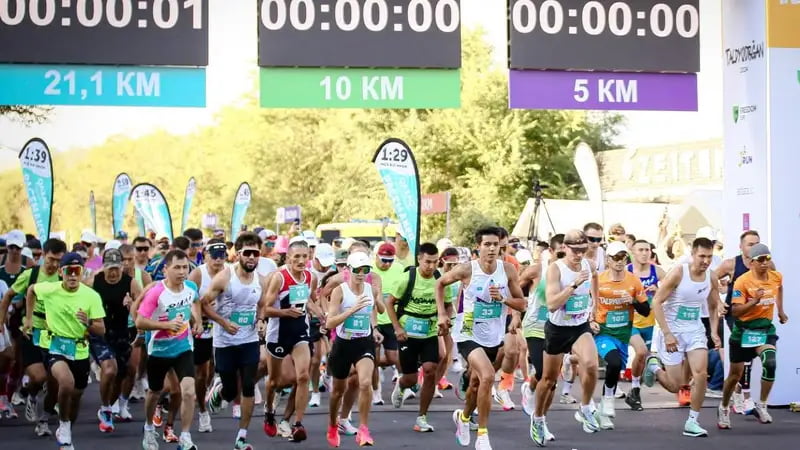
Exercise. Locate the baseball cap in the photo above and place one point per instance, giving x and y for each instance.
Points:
(444, 243)
(71, 259)
(113, 244)
(297, 239)
(341, 256)
(386, 250)
(88, 236)
(524, 256)
(121, 234)
(759, 250)
(706, 232)
(16, 238)
(616, 248)
(324, 254)
(112, 258)
(219, 233)
(358, 259)
(26, 252)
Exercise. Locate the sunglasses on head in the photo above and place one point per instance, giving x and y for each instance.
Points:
(72, 270)
(361, 270)
(763, 258)
(250, 253)
(595, 240)
(142, 249)
(621, 256)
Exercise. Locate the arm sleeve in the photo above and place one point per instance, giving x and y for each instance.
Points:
(739, 295)
(150, 301)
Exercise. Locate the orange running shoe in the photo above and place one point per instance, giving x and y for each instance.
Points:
(685, 395)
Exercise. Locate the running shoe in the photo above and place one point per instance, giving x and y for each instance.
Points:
(692, 429)
(377, 398)
(42, 429)
(723, 417)
(547, 434)
(445, 384)
(30, 409)
(236, 411)
(270, 427)
(634, 399)
(186, 443)
(422, 425)
(169, 434)
(602, 418)
(738, 402)
(158, 417)
(313, 402)
(124, 415)
(363, 438)
(17, 399)
(537, 433)
(64, 438)
(242, 444)
(502, 397)
(284, 429)
(150, 440)
(398, 396)
(649, 375)
(761, 413)
(298, 433)
(462, 428)
(588, 421)
(463, 385)
(333, 437)
(482, 442)
(567, 399)
(437, 393)
(106, 424)
(713, 393)
(749, 406)
(204, 422)
(214, 400)
(685, 396)
(607, 403)
(346, 427)
(528, 399)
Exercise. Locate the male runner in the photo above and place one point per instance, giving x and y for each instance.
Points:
(390, 272)
(649, 274)
(620, 294)
(194, 252)
(112, 350)
(411, 308)
(352, 312)
(755, 295)
(509, 352)
(728, 272)
(595, 253)
(571, 287)
(238, 292)
(215, 254)
(449, 258)
(490, 288)
(320, 265)
(72, 310)
(142, 245)
(33, 347)
(287, 303)
(166, 311)
(677, 305)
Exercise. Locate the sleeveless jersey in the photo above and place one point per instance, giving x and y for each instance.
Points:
(113, 295)
(239, 304)
(577, 308)
(293, 292)
(483, 320)
(683, 308)
(651, 279)
(357, 325)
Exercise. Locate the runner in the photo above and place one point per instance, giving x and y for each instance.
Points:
(112, 350)
(194, 252)
(620, 294)
(143, 248)
(320, 265)
(448, 260)
(571, 284)
(509, 352)
(490, 287)
(34, 348)
(649, 274)
(595, 253)
(287, 334)
(166, 311)
(755, 295)
(352, 312)
(238, 293)
(390, 272)
(728, 272)
(215, 254)
(72, 310)
(411, 308)
(677, 305)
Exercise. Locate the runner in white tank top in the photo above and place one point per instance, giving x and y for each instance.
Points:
(677, 306)
(490, 286)
(240, 297)
(571, 286)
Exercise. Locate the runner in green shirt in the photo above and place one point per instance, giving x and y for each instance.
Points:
(416, 331)
(72, 311)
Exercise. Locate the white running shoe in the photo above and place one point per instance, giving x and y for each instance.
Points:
(567, 399)
(602, 417)
(42, 429)
(457, 367)
(482, 443)
(547, 434)
(437, 393)
(150, 440)
(762, 414)
(347, 428)
(186, 444)
(377, 398)
(313, 402)
(284, 428)
(503, 397)
(607, 404)
(204, 421)
(723, 417)
(462, 428)
(64, 437)
(528, 399)
(398, 397)
(738, 402)
(17, 399)
(125, 414)
(749, 406)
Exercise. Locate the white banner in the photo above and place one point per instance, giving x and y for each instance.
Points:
(744, 74)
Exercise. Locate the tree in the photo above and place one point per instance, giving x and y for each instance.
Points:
(25, 114)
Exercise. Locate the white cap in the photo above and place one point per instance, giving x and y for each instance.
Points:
(444, 243)
(26, 252)
(113, 243)
(524, 256)
(358, 259)
(88, 236)
(15, 237)
(347, 242)
(615, 248)
(309, 234)
(266, 234)
(297, 239)
(310, 238)
(706, 232)
(325, 255)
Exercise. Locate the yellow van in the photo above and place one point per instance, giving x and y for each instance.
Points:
(368, 230)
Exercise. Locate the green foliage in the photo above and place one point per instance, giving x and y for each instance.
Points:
(483, 153)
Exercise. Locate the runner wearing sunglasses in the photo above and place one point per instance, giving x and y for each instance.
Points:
(234, 301)
(571, 287)
(72, 311)
(595, 253)
(755, 296)
(215, 254)
(289, 297)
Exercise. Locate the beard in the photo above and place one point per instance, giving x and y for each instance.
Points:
(560, 255)
(246, 268)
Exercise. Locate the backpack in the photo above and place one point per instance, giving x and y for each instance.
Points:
(412, 277)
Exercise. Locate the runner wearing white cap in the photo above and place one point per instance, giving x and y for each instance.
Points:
(322, 263)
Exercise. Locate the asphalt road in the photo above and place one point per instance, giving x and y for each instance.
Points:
(659, 426)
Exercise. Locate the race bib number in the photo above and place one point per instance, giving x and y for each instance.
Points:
(753, 338)
(243, 318)
(63, 346)
(541, 315)
(488, 311)
(417, 327)
(617, 319)
(181, 314)
(298, 295)
(688, 312)
(357, 324)
(577, 304)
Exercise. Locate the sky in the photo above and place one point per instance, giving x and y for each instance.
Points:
(232, 69)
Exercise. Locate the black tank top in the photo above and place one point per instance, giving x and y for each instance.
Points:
(739, 269)
(113, 295)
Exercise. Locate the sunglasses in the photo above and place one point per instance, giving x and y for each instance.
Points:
(217, 254)
(197, 244)
(73, 271)
(578, 250)
(142, 249)
(387, 260)
(341, 265)
(37, 255)
(763, 259)
(516, 245)
(595, 240)
(619, 257)
(270, 244)
(163, 247)
(361, 270)
(250, 253)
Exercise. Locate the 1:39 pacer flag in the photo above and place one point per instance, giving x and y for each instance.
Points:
(240, 204)
(37, 175)
(119, 201)
(398, 169)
